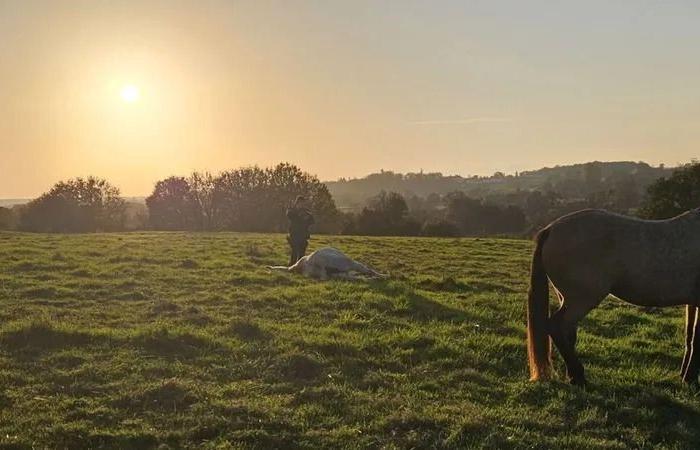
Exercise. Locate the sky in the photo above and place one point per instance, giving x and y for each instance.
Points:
(340, 88)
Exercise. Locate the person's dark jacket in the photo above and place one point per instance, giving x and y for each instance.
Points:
(300, 220)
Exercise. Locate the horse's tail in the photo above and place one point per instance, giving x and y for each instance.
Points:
(538, 345)
(280, 268)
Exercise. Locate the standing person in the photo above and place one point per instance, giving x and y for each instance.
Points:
(300, 220)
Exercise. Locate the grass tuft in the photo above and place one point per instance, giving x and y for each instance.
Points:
(248, 331)
(189, 264)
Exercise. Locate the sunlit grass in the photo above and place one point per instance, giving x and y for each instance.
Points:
(147, 339)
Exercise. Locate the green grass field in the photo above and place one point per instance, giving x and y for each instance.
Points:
(168, 340)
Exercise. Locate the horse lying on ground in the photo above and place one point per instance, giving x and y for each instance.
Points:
(589, 254)
(327, 263)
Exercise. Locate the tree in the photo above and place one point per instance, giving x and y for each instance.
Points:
(242, 197)
(246, 199)
(8, 219)
(202, 193)
(592, 175)
(540, 207)
(171, 207)
(77, 205)
(464, 212)
(387, 215)
(476, 217)
(287, 181)
(668, 197)
(440, 228)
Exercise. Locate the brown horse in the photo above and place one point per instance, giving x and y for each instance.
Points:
(589, 254)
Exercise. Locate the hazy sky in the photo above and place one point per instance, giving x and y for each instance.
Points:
(341, 88)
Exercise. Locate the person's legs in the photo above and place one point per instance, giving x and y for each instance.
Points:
(298, 245)
(293, 258)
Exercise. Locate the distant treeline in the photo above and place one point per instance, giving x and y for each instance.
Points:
(246, 199)
(574, 182)
(255, 199)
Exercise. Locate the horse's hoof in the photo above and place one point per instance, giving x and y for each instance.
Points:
(580, 382)
(691, 382)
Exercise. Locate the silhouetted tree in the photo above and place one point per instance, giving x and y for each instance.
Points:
(440, 228)
(202, 193)
(246, 199)
(464, 211)
(387, 215)
(668, 197)
(77, 205)
(347, 223)
(476, 217)
(540, 208)
(242, 198)
(511, 220)
(8, 219)
(171, 206)
(593, 175)
(287, 181)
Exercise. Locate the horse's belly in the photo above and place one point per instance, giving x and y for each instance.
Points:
(653, 293)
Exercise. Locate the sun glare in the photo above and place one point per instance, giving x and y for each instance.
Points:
(130, 93)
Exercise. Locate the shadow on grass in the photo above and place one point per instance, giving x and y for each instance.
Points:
(75, 436)
(35, 338)
(617, 322)
(175, 343)
(248, 331)
(645, 416)
(248, 427)
(170, 395)
(264, 279)
(449, 284)
(416, 306)
(409, 430)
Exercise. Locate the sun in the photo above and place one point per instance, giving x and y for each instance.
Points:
(130, 93)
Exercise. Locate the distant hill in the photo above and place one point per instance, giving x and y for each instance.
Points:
(571, 181)
(575, 180)
(6, 203)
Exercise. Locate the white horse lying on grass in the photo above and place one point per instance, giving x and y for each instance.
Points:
(329, 262)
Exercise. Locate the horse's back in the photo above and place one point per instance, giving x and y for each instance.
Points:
(639, 260)
(329, 257)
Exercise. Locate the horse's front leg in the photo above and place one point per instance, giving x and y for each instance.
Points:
(690, 313)
(691, 362)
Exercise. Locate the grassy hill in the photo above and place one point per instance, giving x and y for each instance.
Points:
(170, 340)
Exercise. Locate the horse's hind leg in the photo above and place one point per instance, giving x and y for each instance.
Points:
(364, 270)
(690, 313)
(692, 358)
(562, 329)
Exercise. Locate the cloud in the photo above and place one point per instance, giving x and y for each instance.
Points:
(462, 121)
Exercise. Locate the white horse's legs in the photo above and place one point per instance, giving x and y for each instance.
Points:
(361, 268)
